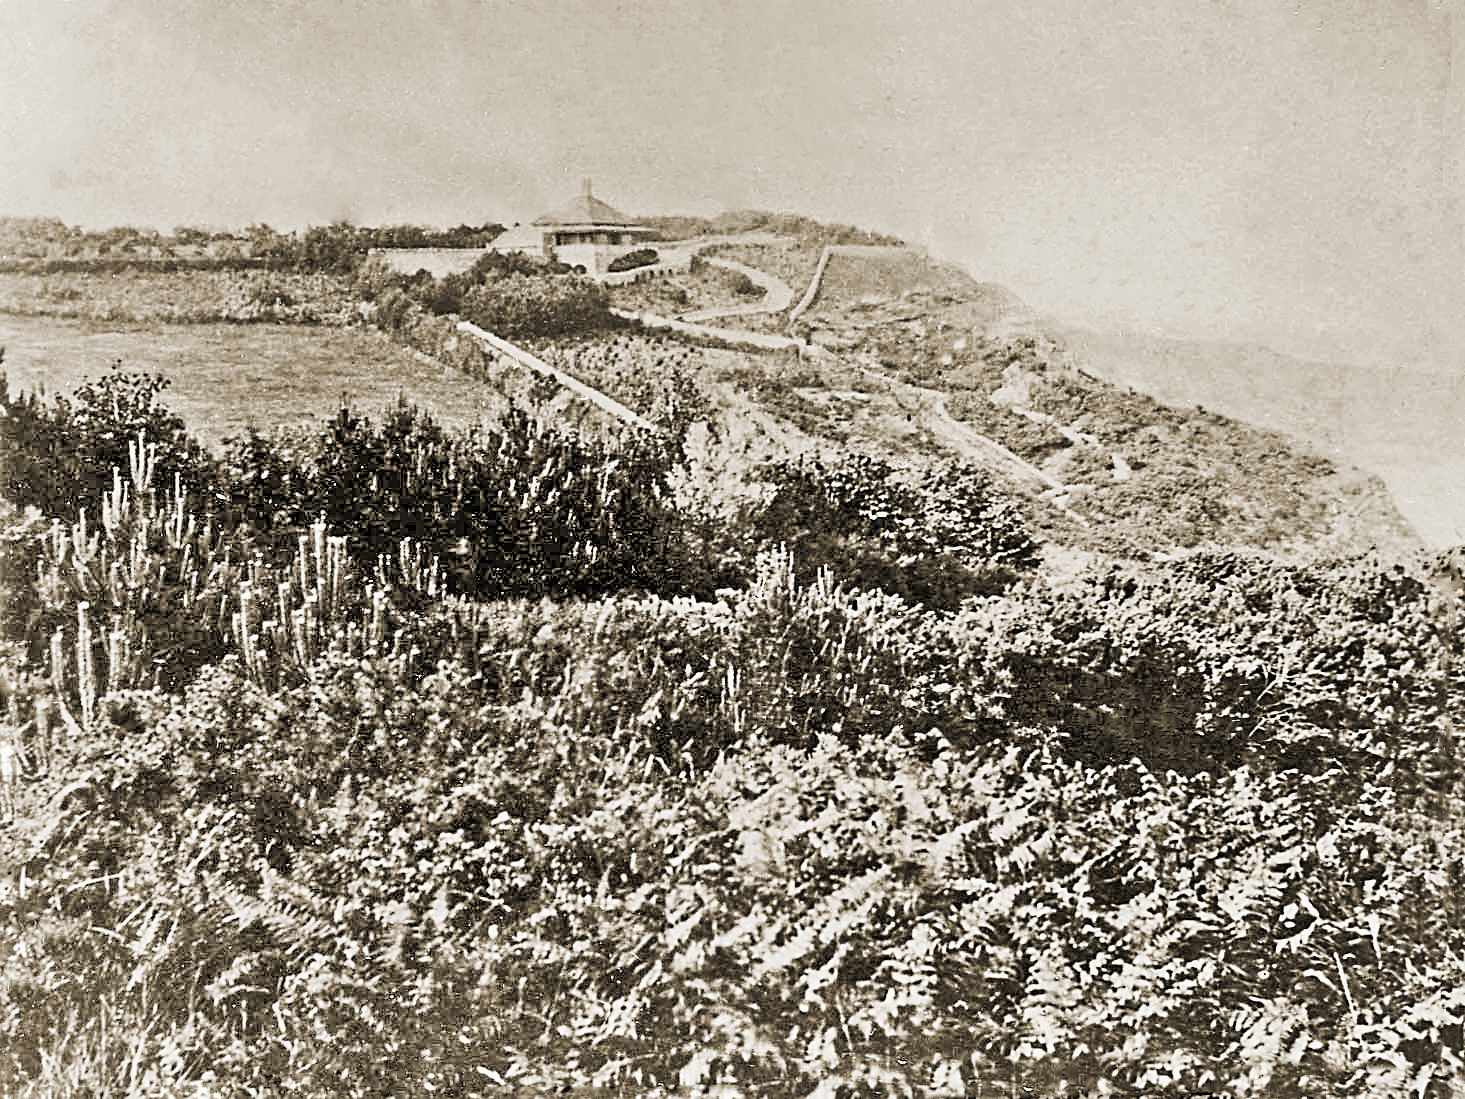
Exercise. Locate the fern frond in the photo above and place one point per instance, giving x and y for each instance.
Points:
(288, 913)
(839, 912)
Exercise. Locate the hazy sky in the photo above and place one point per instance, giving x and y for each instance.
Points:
(1248, 169)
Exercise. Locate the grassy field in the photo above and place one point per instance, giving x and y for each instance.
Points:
(227, 378)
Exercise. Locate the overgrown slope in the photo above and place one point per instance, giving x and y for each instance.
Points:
(1146, 477)
(547, 761)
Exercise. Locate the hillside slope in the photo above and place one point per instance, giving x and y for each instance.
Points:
(914, 344)
(1404, 425)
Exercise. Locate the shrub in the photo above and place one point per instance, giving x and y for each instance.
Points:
(374, 278)
(445, 295)
(938, 540)
(392, 309)
(743, 286)
(59, 455)
(519, 508)
(271, 293)
(492, 265)
(518, 307)
(642, 257)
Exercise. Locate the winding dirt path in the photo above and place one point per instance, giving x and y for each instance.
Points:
(926, 407)
(777, 294)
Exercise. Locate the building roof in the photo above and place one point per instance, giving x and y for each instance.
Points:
(586, 210)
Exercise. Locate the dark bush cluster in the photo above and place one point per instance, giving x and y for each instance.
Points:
(641, 257)
(516, 509)
(936, 540)
(513, 296)
(519, 508)
(58, 455)
(523, 307)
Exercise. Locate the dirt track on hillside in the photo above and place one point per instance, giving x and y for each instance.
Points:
(777, 294)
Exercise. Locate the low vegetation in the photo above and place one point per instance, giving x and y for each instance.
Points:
(369, 803)
(792, 261)
(136, 296)
(704, 286)
(378, 758)
(858, 279)
(48, 246)
(795, 226)
(1145, 476)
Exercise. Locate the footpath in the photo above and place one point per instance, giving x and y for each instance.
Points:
(777, 294)
(925, 406)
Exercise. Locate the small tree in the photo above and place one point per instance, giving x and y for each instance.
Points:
(59, 455)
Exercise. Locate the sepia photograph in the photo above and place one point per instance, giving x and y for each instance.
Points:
(661, 549)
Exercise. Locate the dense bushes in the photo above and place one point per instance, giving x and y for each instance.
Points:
(515, 509)
(937, 539)
(733, 282)
(511, 296)
(316, 825)
(520, 307)
(641, 257)
(649, 844)
(519, 508)
(58, 455)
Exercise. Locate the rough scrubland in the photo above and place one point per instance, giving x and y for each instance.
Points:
(380, 757)
(180, 297)
(794, 262)
(703, 287)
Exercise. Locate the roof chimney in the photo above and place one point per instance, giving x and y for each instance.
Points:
(586, 185)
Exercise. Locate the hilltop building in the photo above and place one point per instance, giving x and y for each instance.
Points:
(585, 233)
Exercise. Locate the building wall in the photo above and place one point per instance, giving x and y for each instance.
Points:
(564, 237)
(436, 261)
(515, 240)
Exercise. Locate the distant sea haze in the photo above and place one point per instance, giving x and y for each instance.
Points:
(1407, 426)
